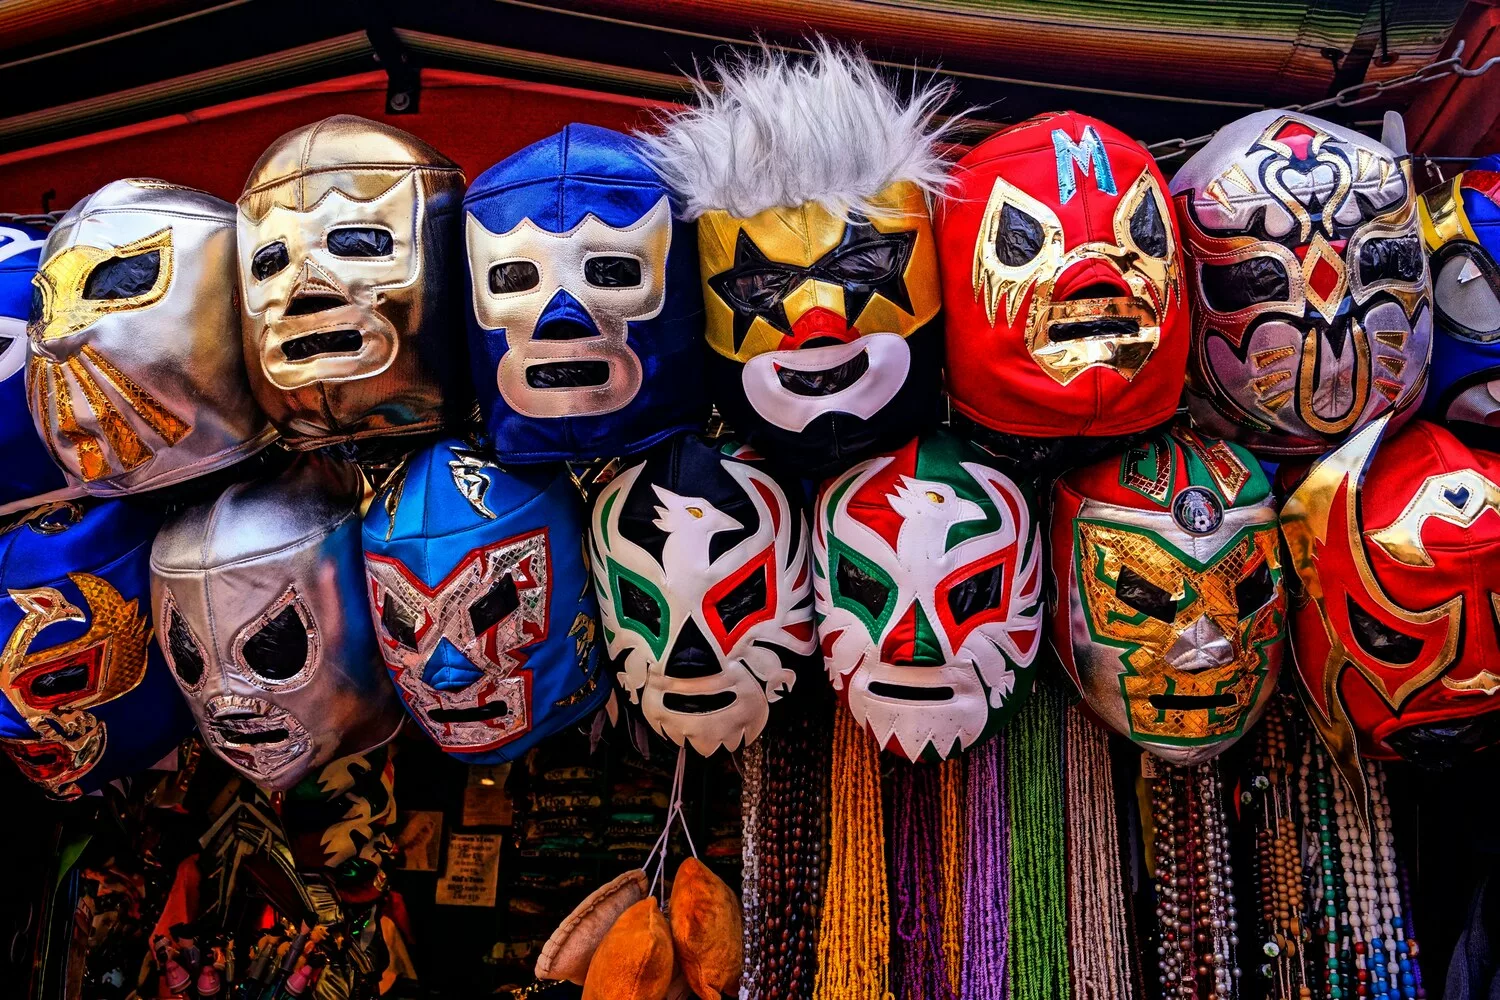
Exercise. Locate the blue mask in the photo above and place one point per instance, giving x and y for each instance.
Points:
(31, 477)
(585, 310)
(482, 601)
(1461, 228)
(88, 697)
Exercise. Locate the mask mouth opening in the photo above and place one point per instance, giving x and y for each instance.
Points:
(564, 329)
(308, 305)
(908, 692)
(1190, 702)
(1100, 328)
(235, 737)
(697, 704)
(476, 713)
(327, 342)
(567, 374)
(826, 381)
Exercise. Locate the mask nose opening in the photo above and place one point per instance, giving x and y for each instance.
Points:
(311, 304)
(691, 656)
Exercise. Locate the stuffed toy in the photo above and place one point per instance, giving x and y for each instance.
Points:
(1314, 311)
(585, 318)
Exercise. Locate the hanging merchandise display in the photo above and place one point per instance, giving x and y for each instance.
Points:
(700, 564)
(264, 621)
(1171, 612)
(1314, 311)
(1062, 283)
(1395, 628)
(584, 312)
(32, 478)
(87, 698)
(810, 182)
(347, 231)
(928, 579)
(1461, 232)
(482, 601)
(135, 378)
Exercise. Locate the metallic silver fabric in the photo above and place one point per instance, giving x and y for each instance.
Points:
(347, 228)
(263, 620)
(135, 377)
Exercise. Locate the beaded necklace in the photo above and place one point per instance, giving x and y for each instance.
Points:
(1099, 938)
(1279, 868)
(920, 959)
(1039, 916)
(752, 913)
(986, 875)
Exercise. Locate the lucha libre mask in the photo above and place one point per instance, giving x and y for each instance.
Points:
(1062, 283)
(701, 569)
(87, 698)
(820, 280)
(928, 575)
(1171, 613)
(482, 600)
(586, 316)
(1303, 254)
(346, 233)
(1461, 230)
(32, 478)
(260, 596)
(135, 378)
(1398, 553)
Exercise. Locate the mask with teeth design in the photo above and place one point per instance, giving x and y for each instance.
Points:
(584, 305)
(346, 233)
(1171, 612)
(820, 271)
(482, 601)
(1305, 258)
(928, 575)
(259, 597)
(700, 565)
(1062, 283)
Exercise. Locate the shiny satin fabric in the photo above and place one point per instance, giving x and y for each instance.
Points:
(1313, 305)
(479, 589)
(263, 619)
(347, 234)
(135, 378)
(85, 696)
(1171, 608)
(32, 477)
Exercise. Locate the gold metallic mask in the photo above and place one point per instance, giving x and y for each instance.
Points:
(1152, 282)
(801, 236)
(1155, 651)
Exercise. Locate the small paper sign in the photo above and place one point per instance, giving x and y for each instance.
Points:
(420, 837)
(472, 871)
(486, 802)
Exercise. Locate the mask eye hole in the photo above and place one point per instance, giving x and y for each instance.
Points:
(495, 606)
(1147, 230)
(747, 597)
(1395, 259)
(612, 272)
(1466, 292)
(1229, 288)
(872, 262)
(61, 682)
(1137, 592)
(1019, 237)
(268, 260)
(860, 587)
(400, 624)
(361, 241)
(510, 276)
(38, 306)
(977, 594)
(757, 290)
(182, 647)
(640, 607)
(1252, 593)
(123, 277)
(279, 650)
(1380, 640)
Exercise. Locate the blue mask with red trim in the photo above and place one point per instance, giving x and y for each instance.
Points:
(87, 696)
(585, 311)
(481, 599)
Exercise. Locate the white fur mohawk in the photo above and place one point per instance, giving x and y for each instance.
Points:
(779, 132)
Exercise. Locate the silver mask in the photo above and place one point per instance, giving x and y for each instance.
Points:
(262, 619)
(136, 377)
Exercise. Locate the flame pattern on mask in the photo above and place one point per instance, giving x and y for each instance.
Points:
(928, 581)
(706, 600)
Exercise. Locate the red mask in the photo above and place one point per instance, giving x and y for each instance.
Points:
(1062, 283)
(1395, 629)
